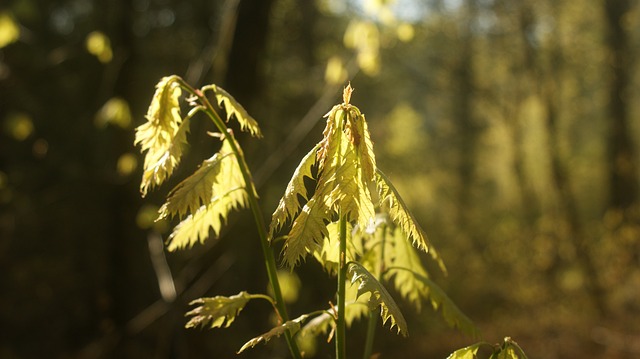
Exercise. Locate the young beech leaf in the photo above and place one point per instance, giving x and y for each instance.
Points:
(163, 136)
(355, 308)
(465, 353)
(218, 311)
(379, 296)
(328, 254)
(216, 175)
(342, 186)
(196, 226)
(439, 299)
(234, 108)
(307, 232)
(293, 326)
(216, 188)
(401, 216)
(289, 203)
(401, 255)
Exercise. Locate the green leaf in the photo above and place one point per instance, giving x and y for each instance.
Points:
(439, 299)
(466, 353)
(355, 308)
(196, 226)
(218, 311)
(329, 252)
(400, 255)
(163, 136)
(235, 109)
(289, 203)
(401, 216)
(218, 174)
(209, 195)
(293, 326)
(379, 296)
(307, 232)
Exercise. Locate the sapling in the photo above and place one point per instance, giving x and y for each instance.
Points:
(352, 221)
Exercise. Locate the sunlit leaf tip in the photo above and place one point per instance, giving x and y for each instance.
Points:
(346, 94)
(399, 213)
(163, 136)
(217, 312)
(234, 109)
(292, 326)
(289, 204)
(389, 310)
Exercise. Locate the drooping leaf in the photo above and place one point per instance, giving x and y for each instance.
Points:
(465, 353)
(401, 216)
(163, 136)
(329, 252)
(195, 227)
(234, 109)
(379, 296)
(509, 350)
(318, 326)
(220, 173)
(293, 326)
(217, 312)
(289, 203)
(307, 233)
(355, 308)
(454, 317)
(352, 191)
(401, 254)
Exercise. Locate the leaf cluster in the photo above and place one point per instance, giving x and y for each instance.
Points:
(349, 185)
(204, 199)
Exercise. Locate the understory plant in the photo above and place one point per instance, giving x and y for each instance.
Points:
(339, 208)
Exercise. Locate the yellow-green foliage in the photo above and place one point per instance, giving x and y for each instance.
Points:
(204, 199)
(346, 170)
(218, 311)
(367, 283)
(163, 136)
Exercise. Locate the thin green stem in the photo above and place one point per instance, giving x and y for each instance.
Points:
(371, 334)
(341, 352)
(373, 316)
(269, 259)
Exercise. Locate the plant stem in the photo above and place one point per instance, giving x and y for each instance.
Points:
(373, 316)
(341, 352)
(371, 334)
(269, 259)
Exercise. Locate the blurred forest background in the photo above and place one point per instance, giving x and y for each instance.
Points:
(510, 128)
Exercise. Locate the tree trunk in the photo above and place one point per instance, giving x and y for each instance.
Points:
(623, 170)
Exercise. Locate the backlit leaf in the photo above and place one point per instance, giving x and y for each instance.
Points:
(379, 296)
(307, 232)
(465, 353)
(217, 312)
(163, 136)
(234, 109)
(329, 252)
(289, 203)
(293, 326)
(439, 300)
(196, 226)
(403, 256)
(216, 175)
(401, 216)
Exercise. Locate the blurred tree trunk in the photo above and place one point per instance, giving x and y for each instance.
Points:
(623, 171)
(243, 79)
(467, 123)
(550, 92)
(527, 55)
